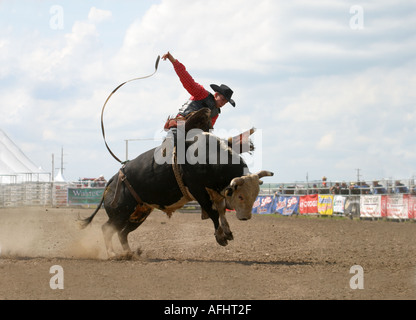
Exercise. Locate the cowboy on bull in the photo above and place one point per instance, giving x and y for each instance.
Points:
(200, 97)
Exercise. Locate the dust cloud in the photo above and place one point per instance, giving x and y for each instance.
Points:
(48, 232)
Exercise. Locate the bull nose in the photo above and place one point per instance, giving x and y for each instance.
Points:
(243, 216)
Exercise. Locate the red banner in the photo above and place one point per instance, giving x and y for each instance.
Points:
(383, 206)
(308, 204)
(412, 207)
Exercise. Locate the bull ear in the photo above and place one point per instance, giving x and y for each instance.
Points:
(260, 182)
(229, 191)
(236, 182)
(264, 173)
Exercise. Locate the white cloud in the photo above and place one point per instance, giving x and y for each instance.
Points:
(14, 104)
(298, 71)
(97, 15)
(326, 142)
(239, 36)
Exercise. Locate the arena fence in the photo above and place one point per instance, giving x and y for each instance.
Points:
(49, 194)
(391, 199)
(26, 194)
(394, 206)
(386, 198)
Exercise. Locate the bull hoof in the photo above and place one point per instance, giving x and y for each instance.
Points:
(126, 256)
(221, 237)
(222, 241)
(229, 236)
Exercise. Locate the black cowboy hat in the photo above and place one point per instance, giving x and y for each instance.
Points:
(225, 91)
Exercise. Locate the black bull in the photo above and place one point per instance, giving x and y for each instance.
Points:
(220, 180)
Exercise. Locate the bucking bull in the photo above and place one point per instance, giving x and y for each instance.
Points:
(205, 168)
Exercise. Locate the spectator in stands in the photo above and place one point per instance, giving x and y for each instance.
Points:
(412, 187)
(400, 187)
(324, 187)
(279, 191)
(377, 188)
(344, 188)
(336, 189)
(314, 189)
(99, 182)
(354, 188)
(365, 188)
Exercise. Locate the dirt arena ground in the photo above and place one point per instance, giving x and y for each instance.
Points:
(271, 257)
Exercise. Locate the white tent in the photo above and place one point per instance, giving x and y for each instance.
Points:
(60, 177)
(15, 166)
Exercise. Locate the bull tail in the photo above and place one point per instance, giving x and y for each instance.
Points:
(83, 223)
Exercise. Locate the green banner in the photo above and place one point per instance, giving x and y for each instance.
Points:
(79, 196)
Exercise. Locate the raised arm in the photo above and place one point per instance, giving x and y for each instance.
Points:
(196, 90)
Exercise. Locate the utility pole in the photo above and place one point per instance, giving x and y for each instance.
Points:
(62, 161)
(358, 175)
(127, 144)
(61, 169)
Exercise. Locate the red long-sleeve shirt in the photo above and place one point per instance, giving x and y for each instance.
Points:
(196, 90)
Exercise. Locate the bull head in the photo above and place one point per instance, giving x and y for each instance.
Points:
(236, 182)
(243, 191)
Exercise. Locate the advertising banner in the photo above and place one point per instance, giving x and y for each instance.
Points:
(412, 207)
(370, 206)
(263, 205)
(397, 206)
(339, 204)
(286, 205)
(82, 196)
(384, 206)
(325, 204)
(308, 204)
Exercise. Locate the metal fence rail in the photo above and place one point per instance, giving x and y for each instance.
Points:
(383, 186)
(56, 194)
(26, 194)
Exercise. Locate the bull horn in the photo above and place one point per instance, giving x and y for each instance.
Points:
(264, 173)
(236, 182)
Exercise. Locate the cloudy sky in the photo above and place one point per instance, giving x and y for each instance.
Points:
(330, 85)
